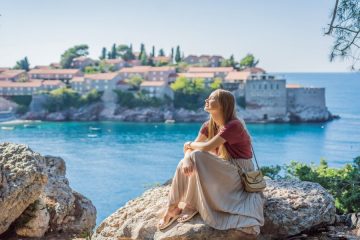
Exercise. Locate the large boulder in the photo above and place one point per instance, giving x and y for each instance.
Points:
(22, 179)
(35, 197)
(292, 206)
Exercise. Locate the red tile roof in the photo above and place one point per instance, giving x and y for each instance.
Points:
(53, 83)
(32, 83)
(114, 61)
(54, 71)
(161, 69)
(153, 83)
(211, 69)
(10, 73)
(231, 76)
(254, 70)
(102, 76)
(137, 69)
(197, 75)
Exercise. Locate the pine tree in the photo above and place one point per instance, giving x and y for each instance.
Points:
(178, 55)
(113, 52)
(153, 51)
(161, 53)
(103, 53)
(142, 50)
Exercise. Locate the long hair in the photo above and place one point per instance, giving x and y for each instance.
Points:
(227, 103)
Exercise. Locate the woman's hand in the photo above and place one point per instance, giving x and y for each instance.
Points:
(187, 146)
(187, 166)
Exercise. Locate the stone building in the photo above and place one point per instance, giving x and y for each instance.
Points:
(55, 74)
(82, 62)
(265, 97)
(158, 89)
(221, 72)
(13, 75)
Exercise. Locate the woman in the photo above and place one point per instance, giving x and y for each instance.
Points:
(207, 179)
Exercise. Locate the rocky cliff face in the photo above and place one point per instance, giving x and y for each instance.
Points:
(291, 207)
(35, 197)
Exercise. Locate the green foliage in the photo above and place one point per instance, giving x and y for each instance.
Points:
(152, 52)
(91, 97)
(63, 98)
(102, 67)
(248, 61)
(138, 99)
(74, 52)
(189, 94)
(23, 64)
(161, 53)
(216, 84)
(271, 171)
(103, 53)
(113, 53)
(178, 55)
(343, 183)
(135, 81)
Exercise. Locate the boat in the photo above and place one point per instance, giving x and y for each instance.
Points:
(92, 135)
(8, 128)
(29, 126)
(169, 121)
(94, 129)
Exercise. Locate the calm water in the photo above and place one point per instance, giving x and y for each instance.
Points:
(119, 162)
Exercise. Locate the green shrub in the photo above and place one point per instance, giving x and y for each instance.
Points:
(64, 98)
(343, 183)
(138, 99)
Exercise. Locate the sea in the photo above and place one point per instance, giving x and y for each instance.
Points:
(112, 162)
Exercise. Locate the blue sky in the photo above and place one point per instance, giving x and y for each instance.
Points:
(286, 35)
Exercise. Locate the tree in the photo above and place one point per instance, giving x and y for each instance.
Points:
(114, 53)
(152, 52)
(248, 61)
(178, 55)
(232, 61)
(74, 52)
(172, 55)
(103, 53)
(23, 64)
(142, 50)
(345, 29)
(135, 81)
(161, 53)
(216, 84)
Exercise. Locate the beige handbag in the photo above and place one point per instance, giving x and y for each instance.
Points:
(253, 180)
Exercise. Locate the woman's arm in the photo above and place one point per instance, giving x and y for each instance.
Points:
(210, 145)
(188, 165)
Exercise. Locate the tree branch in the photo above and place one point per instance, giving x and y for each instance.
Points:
(333, 18)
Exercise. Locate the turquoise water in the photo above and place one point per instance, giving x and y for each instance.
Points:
(117, 163)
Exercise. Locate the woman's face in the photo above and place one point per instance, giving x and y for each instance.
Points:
(212, 103)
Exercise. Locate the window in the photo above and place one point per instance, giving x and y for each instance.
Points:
(265, 86)
(259, 86)
(277, 86)
(271, 86)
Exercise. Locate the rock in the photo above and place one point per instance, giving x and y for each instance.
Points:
(35, 195)
(56, 116)
(34, 222)
(184, 115)
(89, 112)
(292, 207)
(22, 179)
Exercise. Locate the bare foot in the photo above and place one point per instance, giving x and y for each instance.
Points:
(170, 216)
(187, 213)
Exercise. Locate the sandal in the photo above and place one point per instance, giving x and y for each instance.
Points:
(181, 218)
(162, 224)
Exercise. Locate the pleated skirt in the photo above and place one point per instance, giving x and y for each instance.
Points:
(215, 189)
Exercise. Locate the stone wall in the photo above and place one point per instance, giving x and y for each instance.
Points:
(266, 98)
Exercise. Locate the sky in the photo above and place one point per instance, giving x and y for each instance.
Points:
(285, 35)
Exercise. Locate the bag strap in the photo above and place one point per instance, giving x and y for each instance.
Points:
(253, 152)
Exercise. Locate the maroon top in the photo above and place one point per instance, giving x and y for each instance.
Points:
(237, 142)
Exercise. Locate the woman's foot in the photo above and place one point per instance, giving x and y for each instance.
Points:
(170, 216)
(187, 213)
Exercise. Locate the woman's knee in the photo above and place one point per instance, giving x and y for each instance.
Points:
(197, 155)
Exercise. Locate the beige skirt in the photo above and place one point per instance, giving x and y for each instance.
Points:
(215, 189)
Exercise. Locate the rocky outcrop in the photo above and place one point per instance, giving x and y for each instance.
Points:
(36, 198)
(90, 112)
(291, 207)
